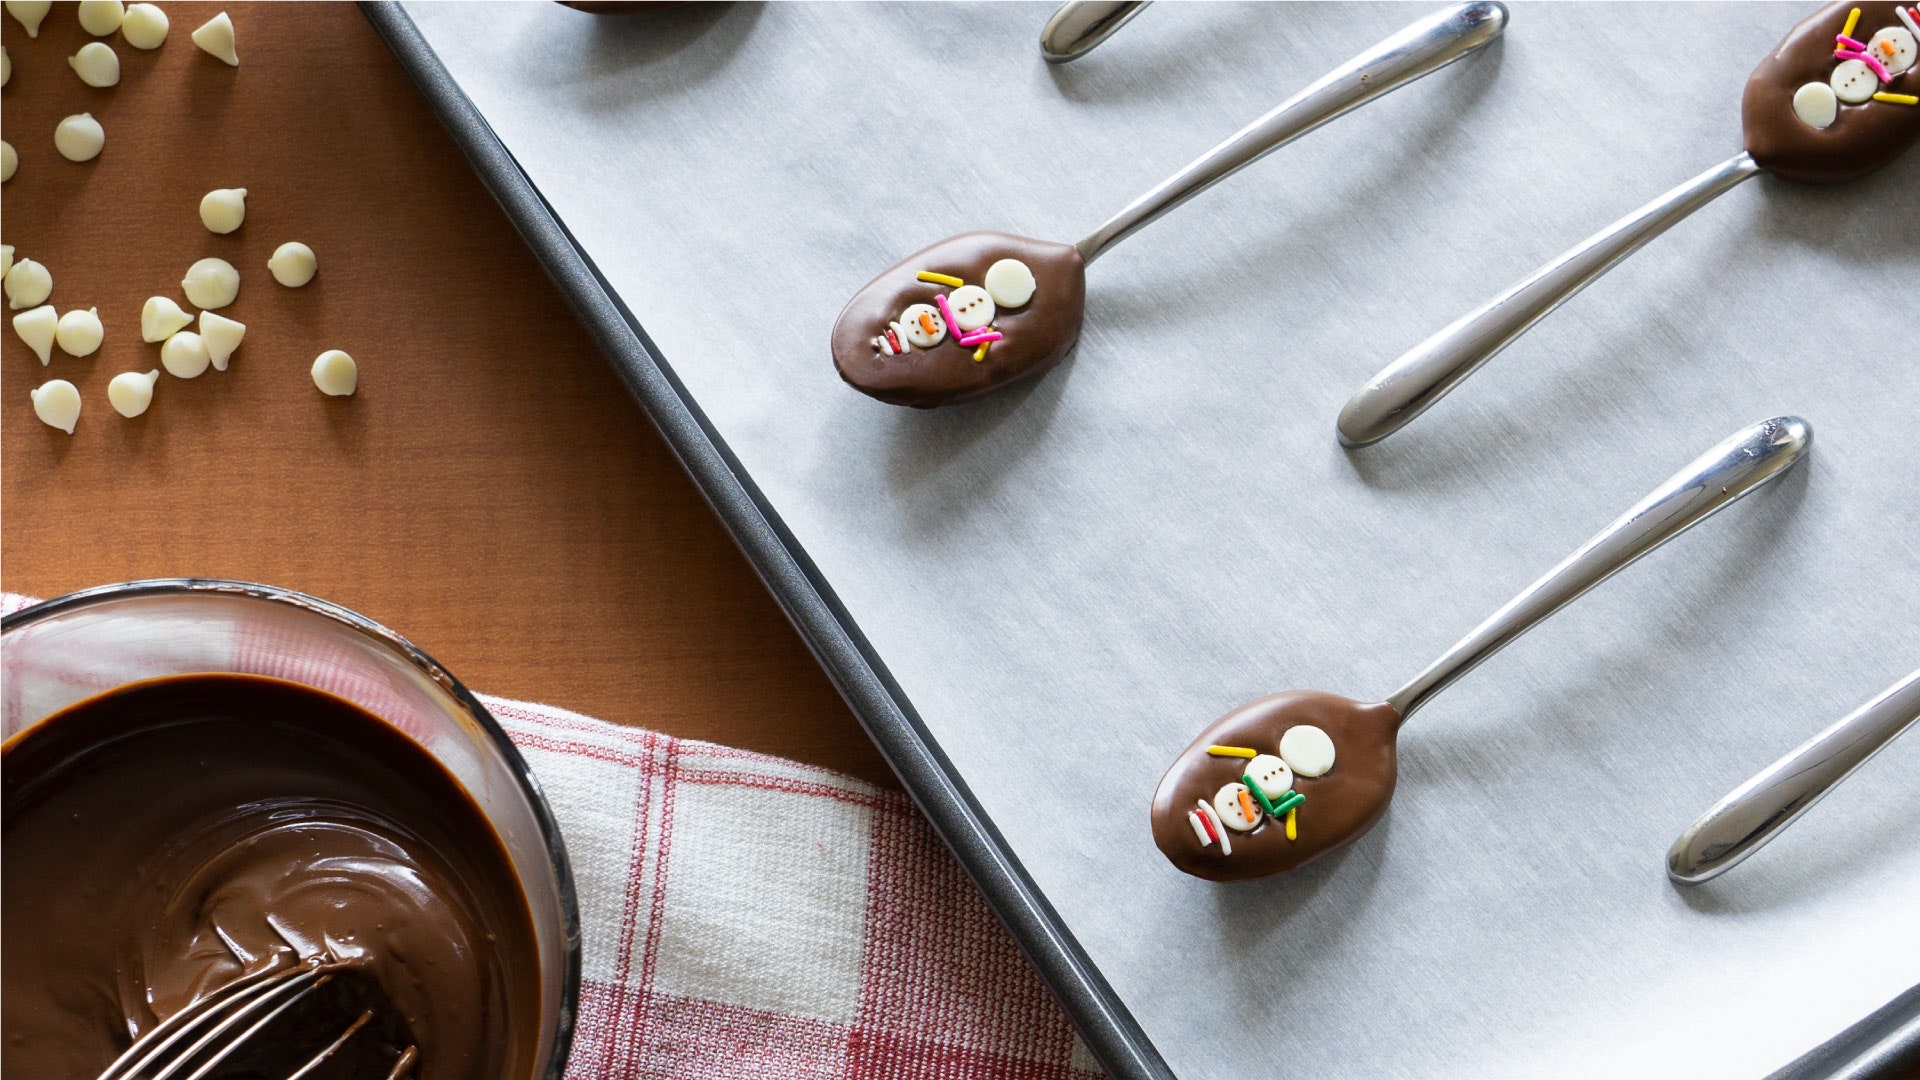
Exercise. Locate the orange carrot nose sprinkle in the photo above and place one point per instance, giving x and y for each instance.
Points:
(1887, 47)
(926, 323)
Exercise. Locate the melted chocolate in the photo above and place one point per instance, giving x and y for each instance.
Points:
(1863, 139)
(1039, 334)
(144, 825)
(1339, 807)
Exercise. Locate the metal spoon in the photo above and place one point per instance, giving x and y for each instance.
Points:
(1348, 799)
(1081, 25)
(1756, 811)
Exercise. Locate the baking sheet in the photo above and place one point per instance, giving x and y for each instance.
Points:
(1068, 580)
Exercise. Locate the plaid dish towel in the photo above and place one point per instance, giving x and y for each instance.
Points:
(743, 916)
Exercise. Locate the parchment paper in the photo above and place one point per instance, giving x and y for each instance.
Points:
(1069, 580)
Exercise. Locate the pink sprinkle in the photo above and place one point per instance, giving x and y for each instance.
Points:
(947, 314)
(1878, 68)
(981, 335)
(1849, 43)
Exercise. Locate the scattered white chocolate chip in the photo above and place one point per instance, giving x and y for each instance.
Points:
(211, 283)
(216, 37)
(1226, 805)
(57, 402)
(1854, 82)
(221, 335)
(927, 333)
(145, 26)
(972, 307)
(101, 17)
(184, 355)
(1308, 750)
(79, 137)
(30, 13)
(1816, 105)
(80, 332)
(222, 210)
(9, 161)
(293, 264)
(131, 392)
(6, 260)
(1009, 282)
(28, 284)
(1272, 774)
(6, 66)
(335, 373)
(38, 327)
(160, 318)
(96, 63)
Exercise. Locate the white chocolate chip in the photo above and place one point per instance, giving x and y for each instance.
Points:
(1226, 805)
(79, 137)
(80, 332)
(38, 327)
(161, 318)
(1308, 750)
(1816, 105)
(145, 26)
(293, 264)
(211, 283)
(1905, 49)
(1272, 774)
(1854, 82)
(216, 37)
(131, 392)
(184, 355)
(57, 402)
(9, 161)
(28, 284)
(917, 333)
(972, 307)
(1009, 282)
(222, 210)
(6, 66)
(221, 335)
(101, 17)
(335, 373)
(30, 13)
(96, 63)
(6, 260)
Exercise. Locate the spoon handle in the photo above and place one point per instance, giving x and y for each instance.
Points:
(1747, 459)
(1425, 373)
(1081, 25)
(1425, 46)
(1754, 812)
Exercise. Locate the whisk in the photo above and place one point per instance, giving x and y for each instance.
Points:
(320, 1012)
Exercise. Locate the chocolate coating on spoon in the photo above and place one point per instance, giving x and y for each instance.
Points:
(1862, 139)
(1037, 334)
(1340, 806)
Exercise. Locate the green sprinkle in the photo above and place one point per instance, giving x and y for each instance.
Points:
(1259, 796)
(1287, 802)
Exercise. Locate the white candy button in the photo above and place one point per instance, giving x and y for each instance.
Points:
(1010, 283)
(1905, 49)
(335, 373)
(6, 66)
(293, 264)
(972, 307)
(57, 402)
(184, 355)
(221, 335)
(223, 209)
(28, 284)
(38, 328)
(79, 137)
(1308, 750)
(211, 283)
(131, 392)
(1854, 82)
(9, 161)
(6, 259)
(145, 26)
(216, 37)
(160, 318)
(80, 332)
(1272, 774)
(96, 64)
(101, 17)
(1816, 105)
(1226, 804)
(925, 327)
(30, 13)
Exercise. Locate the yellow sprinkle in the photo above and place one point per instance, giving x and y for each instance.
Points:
(1293, 824)
(1897, 99)
(980, 353)
(1232, 751)
(940, 279)
(1853, 23)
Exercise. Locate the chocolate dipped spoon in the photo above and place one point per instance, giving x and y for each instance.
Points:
(1816, 111)
(1281, 781)
(978, 311)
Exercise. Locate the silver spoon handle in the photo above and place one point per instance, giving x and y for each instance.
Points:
(1425, 373)
(1747, 459)
(1752, 813)
(1081, 25)
(1425, 46)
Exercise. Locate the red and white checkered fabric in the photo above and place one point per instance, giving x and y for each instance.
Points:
(743, 916)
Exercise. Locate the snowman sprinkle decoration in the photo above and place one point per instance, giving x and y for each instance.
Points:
(1267, 789)
(1866, 72)
(966, 316)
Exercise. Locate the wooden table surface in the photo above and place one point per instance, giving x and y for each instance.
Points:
(491, 492)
